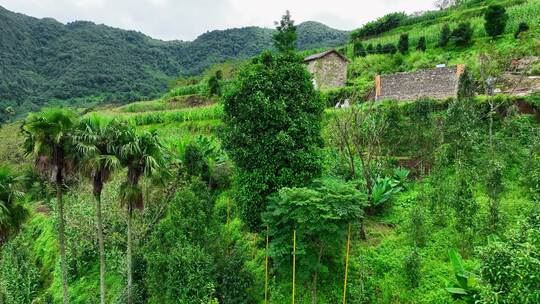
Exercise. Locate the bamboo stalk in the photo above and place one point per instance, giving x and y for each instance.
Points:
(294, 266)
(266, 270)
(346, 266)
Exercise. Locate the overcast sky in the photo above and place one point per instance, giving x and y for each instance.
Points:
(187, 19)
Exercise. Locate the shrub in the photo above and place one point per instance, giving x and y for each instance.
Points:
(522, 27)
(411, 268)
(418, 227)
(466, 86)
(379, 26)
(511, 267)
(421, 44)
(403, 45)
(179, 269)
(233, 256)
(358, 49)
(495, 20)
(462, 35)
(332, 97)
(370, 49)
(195, 162)
(445, 35)
(320, 215)
(389, 48)
(214, 87)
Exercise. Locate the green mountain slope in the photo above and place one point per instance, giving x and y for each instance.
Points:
(43, 60)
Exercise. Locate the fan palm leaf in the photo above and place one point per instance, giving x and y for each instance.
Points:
(48, 139)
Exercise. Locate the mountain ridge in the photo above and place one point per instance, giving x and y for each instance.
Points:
(43, 59)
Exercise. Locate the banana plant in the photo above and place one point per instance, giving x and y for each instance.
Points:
(465, 285)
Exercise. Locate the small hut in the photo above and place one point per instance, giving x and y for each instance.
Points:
(329, 69)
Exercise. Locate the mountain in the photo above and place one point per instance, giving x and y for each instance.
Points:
(43, 59)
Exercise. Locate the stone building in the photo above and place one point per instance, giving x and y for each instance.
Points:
(329, 69)
(438, 83)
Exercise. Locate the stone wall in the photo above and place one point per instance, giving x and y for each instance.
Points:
(328, 72)
(438, 83)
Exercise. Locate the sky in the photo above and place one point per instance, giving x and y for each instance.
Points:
(187, 19)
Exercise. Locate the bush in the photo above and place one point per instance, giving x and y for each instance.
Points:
(445, 35)
(511, 267)
(232, 256)
(389, 48)
(320, 215)
(522, 27)
(495, 20)
(332, 97)
(179, 268)
(180, 275)
(358, 49)
(462, 35)
(379, 26)
(370, 49)
(379, 49)
(411, 268)
(195, 162)
(421, 44)
(403, 45)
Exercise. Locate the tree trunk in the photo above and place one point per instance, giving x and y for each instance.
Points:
(61, 237)
(362, 230)
(101, 249)
(315, 277)
(128, 257)
(491, 113)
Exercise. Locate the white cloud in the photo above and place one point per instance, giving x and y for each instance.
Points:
(186, 19)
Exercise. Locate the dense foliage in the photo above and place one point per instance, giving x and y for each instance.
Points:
(496, 18)
(81, 63)
(272, 130)
(425, 201)
(379, 26)
(285, 36)
(403, 44)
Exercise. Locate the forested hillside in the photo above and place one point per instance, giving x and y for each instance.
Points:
(42, 60)
(246, 185)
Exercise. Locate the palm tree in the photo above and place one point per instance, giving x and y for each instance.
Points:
(95, 142)
(142, 154)
(11, 213)
(48, 138)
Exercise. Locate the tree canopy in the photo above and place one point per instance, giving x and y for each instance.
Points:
(272, 129)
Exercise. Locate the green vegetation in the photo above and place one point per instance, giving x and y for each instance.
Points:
(47, 63)
(496, 18)
(272, 130)
(403, 44)
(285, 37)
(246, 179)
(380, 26)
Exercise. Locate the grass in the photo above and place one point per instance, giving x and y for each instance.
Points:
(146, 106)
(11, 150)
(528, 12)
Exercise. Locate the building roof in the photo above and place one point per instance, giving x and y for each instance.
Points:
(323, 54)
